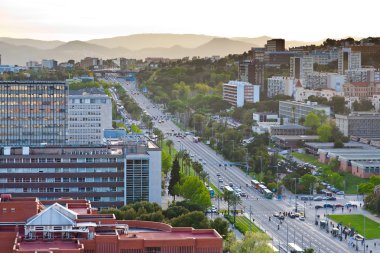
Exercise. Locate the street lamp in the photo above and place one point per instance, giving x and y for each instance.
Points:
(295, 189)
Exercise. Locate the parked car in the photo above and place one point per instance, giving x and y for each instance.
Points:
(327, 205)
(318, 198)
(340, 193)
(338, 205)
(318, 206)
(301, 218)
(276, 214)
(331, 198)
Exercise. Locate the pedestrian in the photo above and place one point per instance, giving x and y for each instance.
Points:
(374, 244)
(278, 227)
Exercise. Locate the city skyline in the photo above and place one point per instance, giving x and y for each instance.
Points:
(87, 20)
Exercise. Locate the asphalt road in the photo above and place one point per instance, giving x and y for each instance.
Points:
(304, 233)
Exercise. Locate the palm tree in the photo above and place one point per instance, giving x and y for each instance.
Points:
(227, 196)
(234, 201)
(170, 144)
(186, 160)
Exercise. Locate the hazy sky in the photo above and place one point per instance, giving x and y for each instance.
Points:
(88, 19)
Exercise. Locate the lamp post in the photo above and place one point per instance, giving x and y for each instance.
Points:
(295, 189)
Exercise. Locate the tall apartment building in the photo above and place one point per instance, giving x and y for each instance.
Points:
(243, 70)
(49, 64)
(362, 75)
(112, 174)
(359, 124)
(237, 93)
(33, 113)
(280, 85)
(347, 60)
(89, 113)
(322, 80)
(257, 53)
(275, 45)
(256, 72)
(300, 67)
(90, 62)
(324, 57)
(294, 111)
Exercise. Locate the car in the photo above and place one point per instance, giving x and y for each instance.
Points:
(276, 214)
(358, 237)
(331, 198)
(292, 216)
(243, 194)
(318, 206)
(220, 180)
(350, 205)
(204, 163)
(340, 193)
(338, 205)
(327, 205)
(218, 174)
(301, 218)
(281, 217)
(231, 184)
(297, 214)
(318, 198)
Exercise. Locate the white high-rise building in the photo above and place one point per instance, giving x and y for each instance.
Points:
(300, 67)
(237, 93)
(348, 60)
(280, 85)
(89, 113)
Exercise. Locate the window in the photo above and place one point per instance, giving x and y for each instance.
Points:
(4, 210)
(13, 210)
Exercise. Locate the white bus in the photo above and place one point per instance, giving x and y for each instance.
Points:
(294, 248)
(228, 188)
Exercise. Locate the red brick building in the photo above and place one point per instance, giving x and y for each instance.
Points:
(28, 225)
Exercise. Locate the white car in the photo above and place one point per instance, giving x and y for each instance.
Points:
(301, 218)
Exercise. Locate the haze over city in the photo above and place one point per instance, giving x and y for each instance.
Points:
(84, 20)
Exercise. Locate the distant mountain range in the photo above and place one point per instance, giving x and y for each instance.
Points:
(139, 46)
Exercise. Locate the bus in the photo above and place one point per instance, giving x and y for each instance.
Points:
(261, 188)
(268, 194)
(255, 183)
(228, 188)
(211, 191)
(294, 248)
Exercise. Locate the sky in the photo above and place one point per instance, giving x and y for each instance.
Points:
(304, 20)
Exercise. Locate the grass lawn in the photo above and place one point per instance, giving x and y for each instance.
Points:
(351, 180)
(242, 224)
(372, 228)
(310, 159)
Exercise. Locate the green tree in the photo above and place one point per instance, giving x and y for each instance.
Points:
(193, 189)
(175, 211)
(227, 196)
(366, 188)
(313, 121)
(170, 144)
(338, 104)
(252, 242)
(235, 201)
(166, 162)
(174, 178)
(196, 219)
(308, 181)
(325, 132)
(220, 225)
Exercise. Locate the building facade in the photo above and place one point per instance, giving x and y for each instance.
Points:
(361, 89)
(280, 85)
(347, 60)
(300, 67)
(33, 113)
(237, 93)
(275, 45)
(89, 113)
(362, 75)
(113, 174)
(294, 111)
(49, 64)
(359, 124)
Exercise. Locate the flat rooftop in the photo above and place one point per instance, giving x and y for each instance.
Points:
(330, 145)
(295, 137)
(289, 126)
(160, 235)
(46, 245)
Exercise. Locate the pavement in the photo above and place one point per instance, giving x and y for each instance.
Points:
(304, 233)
